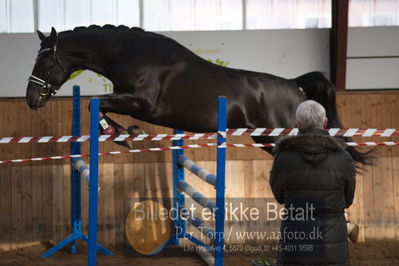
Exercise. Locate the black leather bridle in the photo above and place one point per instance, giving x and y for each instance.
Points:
(46, 86)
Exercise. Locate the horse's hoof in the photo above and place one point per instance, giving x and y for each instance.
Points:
(126, 144)
(135, 130)
(132, 130)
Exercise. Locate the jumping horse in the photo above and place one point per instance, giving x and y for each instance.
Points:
(159, 81)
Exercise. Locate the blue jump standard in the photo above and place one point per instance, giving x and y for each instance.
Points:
(76, 217)
(218, 181)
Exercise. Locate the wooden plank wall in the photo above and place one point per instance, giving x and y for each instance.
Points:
(34, 197)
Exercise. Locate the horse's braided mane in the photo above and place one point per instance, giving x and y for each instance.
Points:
(105, 28)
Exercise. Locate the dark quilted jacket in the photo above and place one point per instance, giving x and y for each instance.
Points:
(313, 170)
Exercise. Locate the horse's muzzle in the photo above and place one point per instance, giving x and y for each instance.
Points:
(29, 101)
(35, 104)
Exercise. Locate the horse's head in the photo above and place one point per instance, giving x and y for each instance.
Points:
(48, 74)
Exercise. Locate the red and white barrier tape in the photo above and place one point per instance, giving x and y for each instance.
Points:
(337, 132)
(110, 153)
(85, 138)
(193, 146)
(272, 132)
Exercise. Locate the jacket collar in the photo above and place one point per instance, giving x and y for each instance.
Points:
(313, 145)
(311, 139)
(314, 131)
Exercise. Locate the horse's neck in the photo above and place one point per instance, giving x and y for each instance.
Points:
(88, 53)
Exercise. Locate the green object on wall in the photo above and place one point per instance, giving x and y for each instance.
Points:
(220, 62)
(75, 74)
(107, 86)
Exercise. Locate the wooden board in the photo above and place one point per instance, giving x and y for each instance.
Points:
(5, 188)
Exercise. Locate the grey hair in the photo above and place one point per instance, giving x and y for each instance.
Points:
(310, 114)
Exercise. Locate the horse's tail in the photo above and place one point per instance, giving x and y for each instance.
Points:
(320, 89)
(317, 87)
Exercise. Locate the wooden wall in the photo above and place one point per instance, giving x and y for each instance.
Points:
(34, 197)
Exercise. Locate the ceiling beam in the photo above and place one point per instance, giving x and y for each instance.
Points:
(338, 43)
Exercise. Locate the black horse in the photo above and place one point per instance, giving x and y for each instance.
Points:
(160, 81)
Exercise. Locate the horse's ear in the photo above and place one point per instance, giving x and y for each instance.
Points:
(42, 37)
(53, 36)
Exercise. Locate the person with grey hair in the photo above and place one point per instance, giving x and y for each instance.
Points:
(314, 177)
(311, 114)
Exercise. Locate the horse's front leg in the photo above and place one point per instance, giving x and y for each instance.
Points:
(120, 104)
